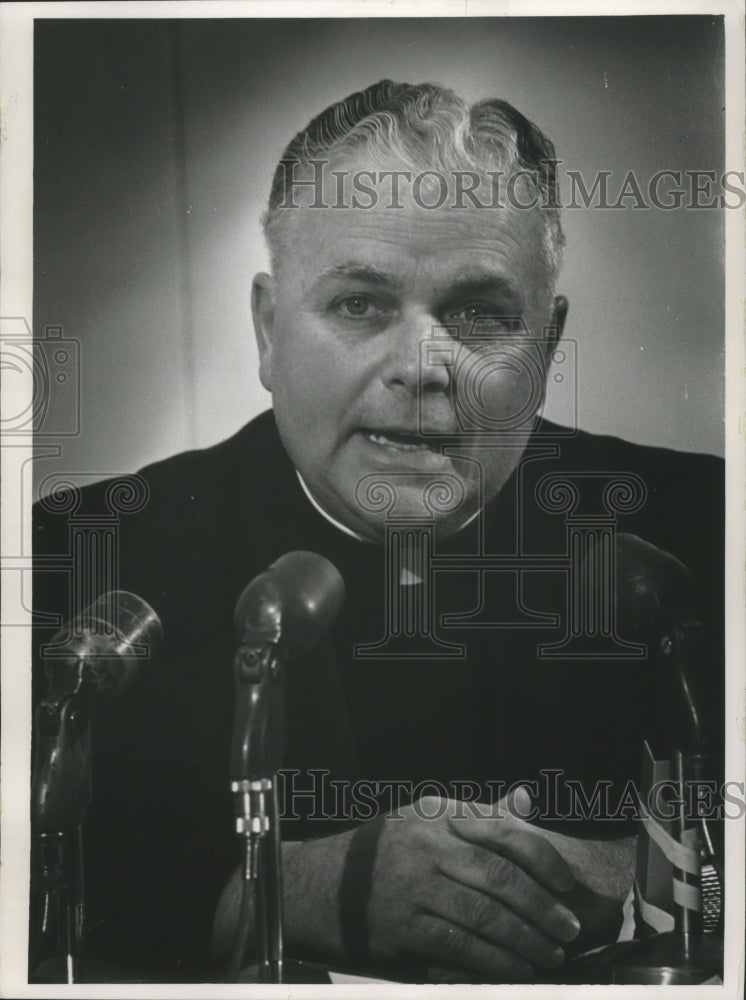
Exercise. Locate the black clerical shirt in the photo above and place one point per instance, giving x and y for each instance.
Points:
(467, 702)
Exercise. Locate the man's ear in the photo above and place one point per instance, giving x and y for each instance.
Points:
(263, 313)
(554, 329)
(559, 314)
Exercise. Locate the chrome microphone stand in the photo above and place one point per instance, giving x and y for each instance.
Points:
(257, 750)
(61, 793)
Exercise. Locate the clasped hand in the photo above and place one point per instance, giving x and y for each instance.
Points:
(471, 888)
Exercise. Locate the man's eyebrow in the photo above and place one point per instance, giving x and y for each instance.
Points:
(479, 282)
(476, 282)
(361, 272)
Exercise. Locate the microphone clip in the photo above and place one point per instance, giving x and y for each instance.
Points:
(61, 782)
(259, 725)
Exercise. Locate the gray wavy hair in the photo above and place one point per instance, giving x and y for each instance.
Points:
(425, 125)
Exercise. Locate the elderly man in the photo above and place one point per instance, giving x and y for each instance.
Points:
(405, 335)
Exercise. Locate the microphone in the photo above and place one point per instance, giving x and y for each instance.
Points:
(292, 604)
(279, 616)
(657, 598)
(656, 595)
(92, 660)
(101, 648)
(282, 614)
(652, 585)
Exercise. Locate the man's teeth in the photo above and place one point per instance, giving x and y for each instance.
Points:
(403, 445)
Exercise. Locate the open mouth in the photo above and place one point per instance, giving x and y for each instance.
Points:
(405, 441)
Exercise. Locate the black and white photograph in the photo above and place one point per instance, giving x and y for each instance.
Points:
(373, 497)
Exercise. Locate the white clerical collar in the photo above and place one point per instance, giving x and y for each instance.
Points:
(327, 515)
(407, 575)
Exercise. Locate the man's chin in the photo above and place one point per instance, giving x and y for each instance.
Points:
(441, 506)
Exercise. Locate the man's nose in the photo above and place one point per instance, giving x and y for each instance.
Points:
(408, 363)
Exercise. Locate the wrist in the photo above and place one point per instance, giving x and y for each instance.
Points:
(312, 876)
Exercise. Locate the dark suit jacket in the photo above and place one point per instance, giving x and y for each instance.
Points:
(159, 838)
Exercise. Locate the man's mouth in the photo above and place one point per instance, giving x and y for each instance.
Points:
(405, 440)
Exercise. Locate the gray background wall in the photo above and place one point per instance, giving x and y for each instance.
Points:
(155, 143)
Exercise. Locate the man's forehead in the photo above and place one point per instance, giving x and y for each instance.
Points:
(387, 245)
(383, 187)
(477, 273)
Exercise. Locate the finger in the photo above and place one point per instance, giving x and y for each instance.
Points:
(518, 842)
(487, 918)
(517, 803)
(503, 880)
(441, 974)
(458, 948)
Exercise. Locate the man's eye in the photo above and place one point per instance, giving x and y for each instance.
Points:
(357, 307)
(484, 318)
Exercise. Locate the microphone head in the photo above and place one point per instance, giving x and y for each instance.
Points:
(102, 648)
(656, 595)
(652, 585)
(293, 603)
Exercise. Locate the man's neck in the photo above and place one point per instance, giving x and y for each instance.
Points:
(409, 576)
(325, 513)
